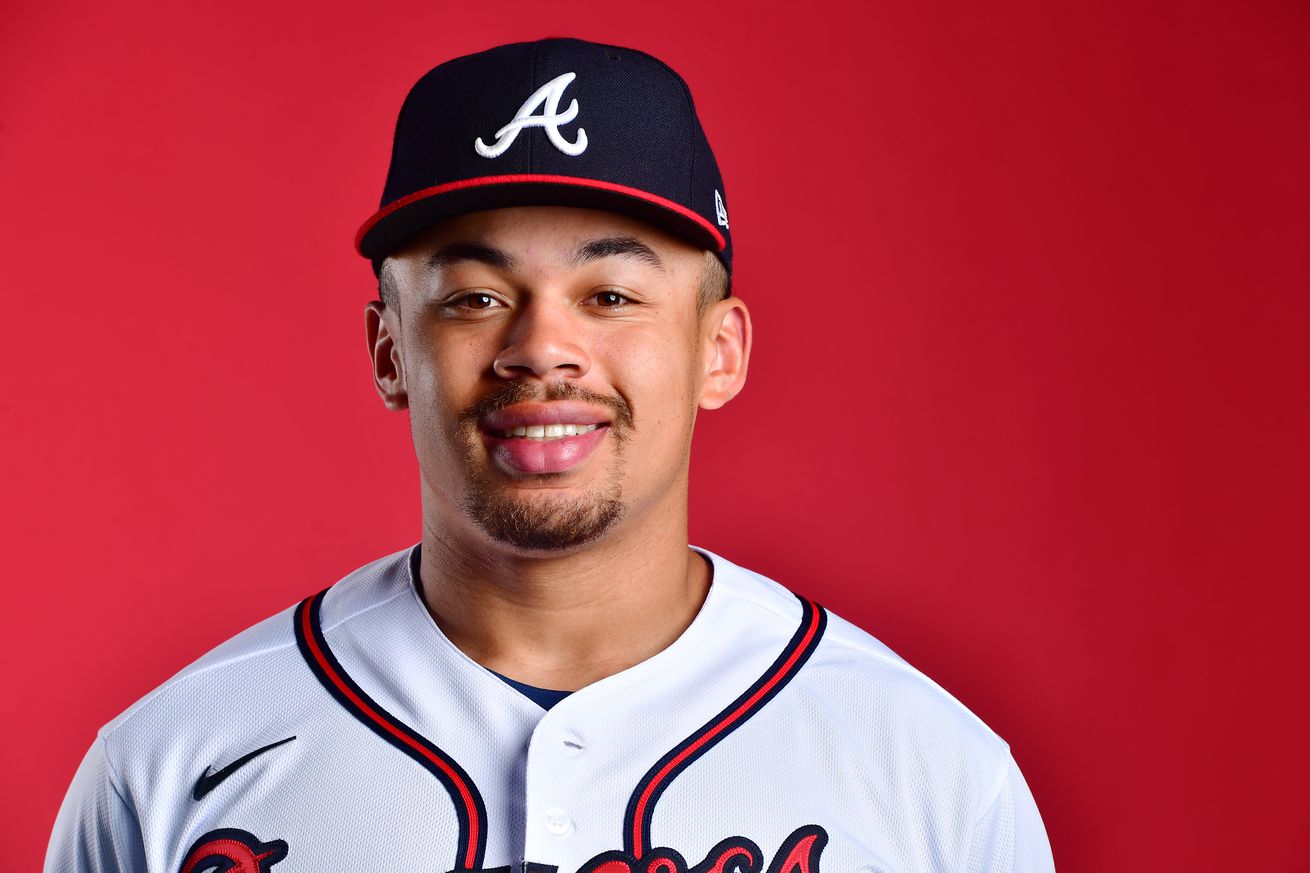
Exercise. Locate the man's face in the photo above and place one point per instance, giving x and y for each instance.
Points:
(533, 318)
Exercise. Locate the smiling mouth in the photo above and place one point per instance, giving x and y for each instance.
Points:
(543, 448)
(546, 432)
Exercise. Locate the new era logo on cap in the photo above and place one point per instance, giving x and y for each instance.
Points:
(553, 122)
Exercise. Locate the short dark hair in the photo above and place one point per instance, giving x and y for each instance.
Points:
(387, 292)
(715, 285)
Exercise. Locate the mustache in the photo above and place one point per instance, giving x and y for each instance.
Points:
(524, 392)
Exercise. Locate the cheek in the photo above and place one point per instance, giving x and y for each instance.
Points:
(654, 373)
(434, 368)
(442, 382)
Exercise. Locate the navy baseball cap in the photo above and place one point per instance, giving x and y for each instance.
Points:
(557, 122)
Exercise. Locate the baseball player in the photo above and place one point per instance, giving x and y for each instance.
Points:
(552, 679)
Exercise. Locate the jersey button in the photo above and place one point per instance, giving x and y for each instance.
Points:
(557, 822)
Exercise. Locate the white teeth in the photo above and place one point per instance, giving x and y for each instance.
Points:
(548, 431)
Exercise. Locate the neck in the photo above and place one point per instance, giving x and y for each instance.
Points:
(565, 621)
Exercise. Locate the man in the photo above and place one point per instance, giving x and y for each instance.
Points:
(552, 679)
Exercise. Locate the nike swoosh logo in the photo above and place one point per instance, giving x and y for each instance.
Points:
(209, 781)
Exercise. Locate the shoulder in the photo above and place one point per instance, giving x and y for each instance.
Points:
(885, 689)
(239, 683)
(873, 701)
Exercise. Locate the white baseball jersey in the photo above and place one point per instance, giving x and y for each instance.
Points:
(348, 733)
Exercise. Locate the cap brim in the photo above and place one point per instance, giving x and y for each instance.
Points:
(397, 223)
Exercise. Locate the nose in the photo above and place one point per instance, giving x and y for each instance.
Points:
(543, 341)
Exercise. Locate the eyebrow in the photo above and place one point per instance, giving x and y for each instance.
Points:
(471, 251)
(625, 246)
(591, 250)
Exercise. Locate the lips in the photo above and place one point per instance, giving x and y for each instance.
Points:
(530, 414)
(518, 455)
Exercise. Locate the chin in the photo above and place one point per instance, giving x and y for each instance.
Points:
(543, 524)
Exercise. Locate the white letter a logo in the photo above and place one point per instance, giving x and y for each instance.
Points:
(551, 118)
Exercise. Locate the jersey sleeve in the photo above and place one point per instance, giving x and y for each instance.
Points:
(97, 830)
(1009, 836)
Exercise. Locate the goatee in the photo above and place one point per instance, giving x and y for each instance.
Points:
(536, 521)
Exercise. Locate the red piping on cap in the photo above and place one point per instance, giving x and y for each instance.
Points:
(483, 181)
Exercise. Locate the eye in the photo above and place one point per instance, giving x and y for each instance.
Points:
(611, 299)
(478, 298)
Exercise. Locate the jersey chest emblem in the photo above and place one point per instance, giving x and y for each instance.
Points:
(231, 850)
(799, 853)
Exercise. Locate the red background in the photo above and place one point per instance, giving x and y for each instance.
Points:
(1028, 399)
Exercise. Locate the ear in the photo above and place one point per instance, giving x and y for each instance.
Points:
(726, 345)
(388, 370)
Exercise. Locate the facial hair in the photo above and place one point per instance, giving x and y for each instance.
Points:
(536, 522)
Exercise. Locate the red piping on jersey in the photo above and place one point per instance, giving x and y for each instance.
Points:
(719, 727)
(470, 856)
(519, 178)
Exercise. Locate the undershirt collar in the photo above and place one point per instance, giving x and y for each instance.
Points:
(543, 697)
